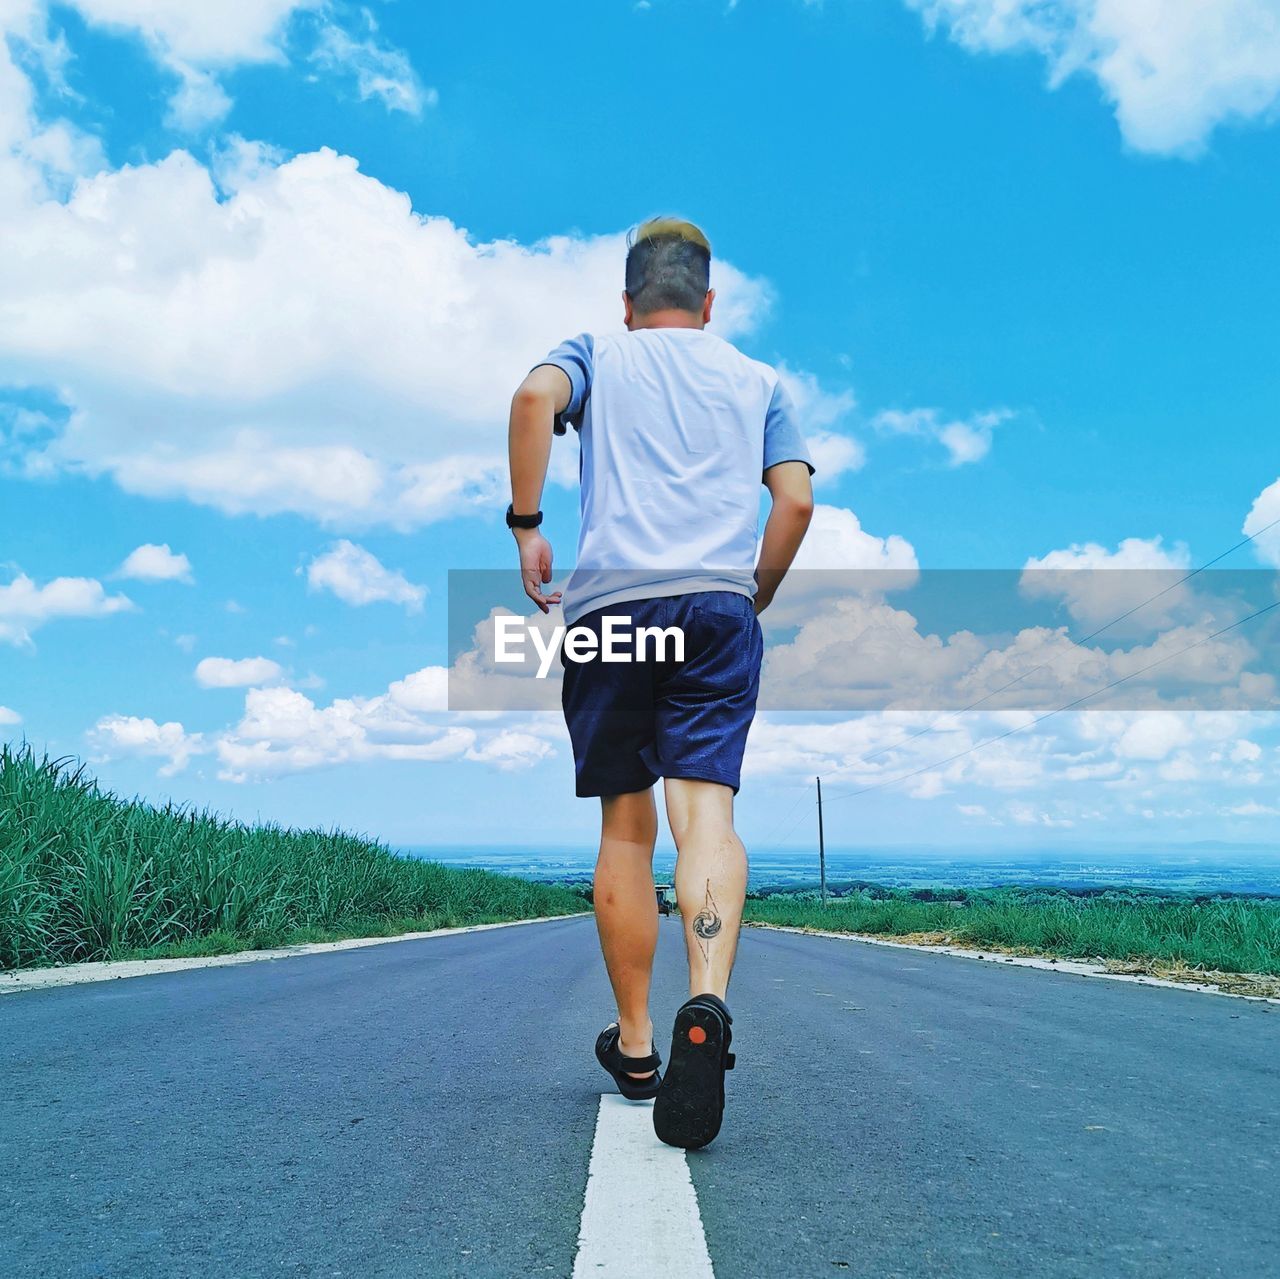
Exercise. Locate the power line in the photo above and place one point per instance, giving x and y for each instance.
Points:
(928, 728)
(1050, 714)
(1194, 572)
(777, 826)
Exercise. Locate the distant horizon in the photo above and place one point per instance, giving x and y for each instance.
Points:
(1204, 870)
(954, 852)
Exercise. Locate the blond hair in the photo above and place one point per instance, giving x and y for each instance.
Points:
(667, 227)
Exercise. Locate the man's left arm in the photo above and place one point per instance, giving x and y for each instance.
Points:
(792, 493)
(787, 471)
(543, 395)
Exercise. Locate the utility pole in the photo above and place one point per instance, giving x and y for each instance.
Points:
(822, 848)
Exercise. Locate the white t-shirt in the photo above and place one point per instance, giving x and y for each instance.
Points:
(677, 427)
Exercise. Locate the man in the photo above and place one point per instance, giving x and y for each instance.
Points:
(678, 429)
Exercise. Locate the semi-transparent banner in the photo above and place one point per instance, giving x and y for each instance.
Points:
(944, 640)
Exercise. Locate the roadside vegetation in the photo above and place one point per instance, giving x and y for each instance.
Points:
(85, 875)
(1142, 930)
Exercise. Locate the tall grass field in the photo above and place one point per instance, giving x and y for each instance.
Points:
(1231, 935)
(85, 875)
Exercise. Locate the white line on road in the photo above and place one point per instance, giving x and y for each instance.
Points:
(640, 1215)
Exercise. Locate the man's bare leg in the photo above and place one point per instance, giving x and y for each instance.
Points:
(626, 910)
(711, 879)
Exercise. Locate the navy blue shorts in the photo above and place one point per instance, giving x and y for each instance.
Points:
(633, 722)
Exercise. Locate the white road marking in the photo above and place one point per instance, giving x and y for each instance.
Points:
(77, 974)
(640, 1215)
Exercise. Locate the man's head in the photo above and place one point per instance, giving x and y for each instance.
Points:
(668, 276)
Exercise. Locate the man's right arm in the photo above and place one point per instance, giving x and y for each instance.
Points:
(543, 394)
(791, 491)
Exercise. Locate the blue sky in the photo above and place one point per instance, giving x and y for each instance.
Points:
(270, 276)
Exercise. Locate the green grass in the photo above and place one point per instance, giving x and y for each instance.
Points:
(85, 875)
(1228, 935)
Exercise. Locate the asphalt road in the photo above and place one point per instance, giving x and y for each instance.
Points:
(428, 1108)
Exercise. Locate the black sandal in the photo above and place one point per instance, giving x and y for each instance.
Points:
(690, 1106)
(622, 1067)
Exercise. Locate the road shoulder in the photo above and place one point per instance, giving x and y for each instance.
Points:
(114, 970)
(1049, 963)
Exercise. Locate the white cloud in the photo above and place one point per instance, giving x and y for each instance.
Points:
(1092, 768)
(357, 577)
(226, 672)
(1251, 808)
(1154, 736)
(1265, 512)
(371, 386)
(1097, 584)
(156, 563)
(833, 455)
(815, 405)
(1131, 553)
(837, 540)
(855, 651)
(819, 411)
(205, 34)
(9, 717)
(876, 750)
(510, 750)
(839, 557)
(196, 42)
(1180, 767)
(1078, 767)
(478, 682)
(262, 334)
(35, 154)
(965, 439)
(128, 735)
(372, 382)
(831, 748)
(969, 441)
(926, 786)
(380, 72)
(186, 643)
(24, 606)
(853, 646)
(193, 41)
(1024, 814)
(1173, 69)
(423, 692)
(198, 102)
(859, 650)
(283, 731)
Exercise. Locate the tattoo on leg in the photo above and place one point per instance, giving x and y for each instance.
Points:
(706, 924)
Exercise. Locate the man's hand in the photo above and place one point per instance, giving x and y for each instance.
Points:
(535, 566)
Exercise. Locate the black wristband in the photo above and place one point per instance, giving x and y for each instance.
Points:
(522, 521)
